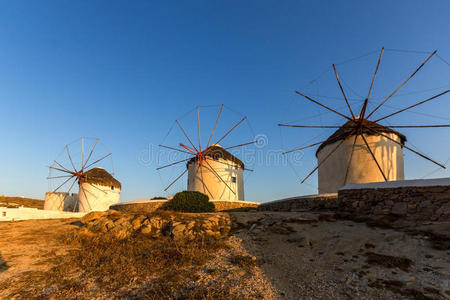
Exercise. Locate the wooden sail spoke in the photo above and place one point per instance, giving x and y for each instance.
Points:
(176, 179)
(96, 187)
(70, 158)
(61, 166)
(173, 148)
(411, 106)
(342, 90)
(350, 161)
(375, 73)
(215, 125)
(174, 163)
(54, 191)
(205, 187)
(219, 177)
(90, 154)
(412, 150)
(98, 160)
(187, 137)
(403, 83)
(62, 170)
(419, 126)
(324, 106)
(373, 157)
(198, 129)
(325, 159)
(229, 131)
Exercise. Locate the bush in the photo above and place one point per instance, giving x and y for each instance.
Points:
(158, 198)
(190, 201)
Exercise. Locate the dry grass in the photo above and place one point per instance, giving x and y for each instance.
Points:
(102, 266)
(19, 201)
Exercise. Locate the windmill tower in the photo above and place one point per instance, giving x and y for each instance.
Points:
(362, 150)
(206, 177)
(98, 189)
(211, 169)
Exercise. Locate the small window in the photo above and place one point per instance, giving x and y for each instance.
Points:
(112, 187)
(233, 179)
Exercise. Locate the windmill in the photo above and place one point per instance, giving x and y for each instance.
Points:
(211, 168)
(363, 150)
(98, 189)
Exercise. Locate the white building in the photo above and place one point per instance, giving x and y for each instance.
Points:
(345, 166)
(220, 176)
(98, 190)
(61, 201)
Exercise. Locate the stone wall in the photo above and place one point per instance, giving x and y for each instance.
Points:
(304, 203)
(151, 206)
(419, 203)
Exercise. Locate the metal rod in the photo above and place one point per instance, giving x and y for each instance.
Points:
(176, 179)
(180, 161)
(404, 82)
(172, 148)
(309, 126)
(412, 150)
(342, 90)
(215, 125)
(98, 160)
(184, 132)
(414, 105)
(240, 145)
(375, 74)
(318, 103)
(373, 156)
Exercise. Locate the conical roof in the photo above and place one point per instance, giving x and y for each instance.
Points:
(216, 152)
(344, 131)
(100, 176)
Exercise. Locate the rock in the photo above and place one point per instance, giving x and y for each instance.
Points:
(400, 208)
(301, 239)
(93, 216)
(178, 231)
(137, 222)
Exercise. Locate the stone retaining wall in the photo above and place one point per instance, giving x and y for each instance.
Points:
(419, 203)
(304, 203)
(151, 206)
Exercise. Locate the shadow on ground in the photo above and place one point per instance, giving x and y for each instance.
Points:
(3, 265)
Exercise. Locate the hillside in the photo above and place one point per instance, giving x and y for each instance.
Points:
(266, 255)
(19, 201)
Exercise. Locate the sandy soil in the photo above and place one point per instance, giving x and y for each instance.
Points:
(299, 256)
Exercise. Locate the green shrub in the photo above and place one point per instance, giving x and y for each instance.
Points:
(159, 198)
(190, 201)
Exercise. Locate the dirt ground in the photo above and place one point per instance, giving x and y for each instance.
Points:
(293, 256)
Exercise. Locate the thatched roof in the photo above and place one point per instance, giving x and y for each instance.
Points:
(345, 129)
(99, 176)
(216, 152)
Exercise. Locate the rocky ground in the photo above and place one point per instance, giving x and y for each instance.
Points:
(240, 255)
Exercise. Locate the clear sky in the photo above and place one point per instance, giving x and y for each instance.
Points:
(123, 71)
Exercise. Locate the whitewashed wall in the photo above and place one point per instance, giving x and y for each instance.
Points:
(363, 168)
(60, 201)
(213, 186)
(94, 197)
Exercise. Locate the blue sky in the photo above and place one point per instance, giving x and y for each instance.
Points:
(124, 70)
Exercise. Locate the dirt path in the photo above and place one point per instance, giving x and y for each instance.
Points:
(312, 259)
